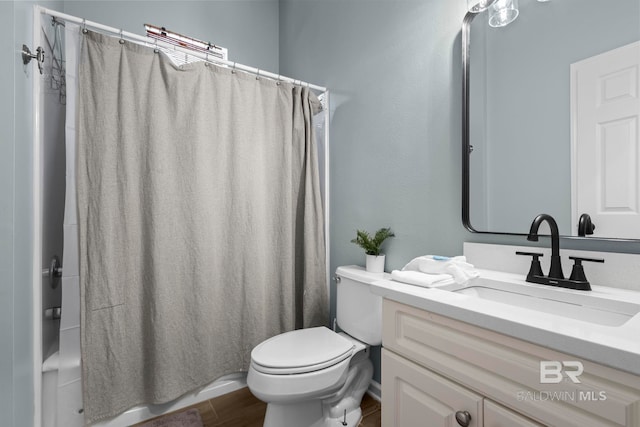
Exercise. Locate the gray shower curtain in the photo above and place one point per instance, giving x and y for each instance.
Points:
(201, 226)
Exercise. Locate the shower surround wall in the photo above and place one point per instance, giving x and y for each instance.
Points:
(17, 367)
(53, 197)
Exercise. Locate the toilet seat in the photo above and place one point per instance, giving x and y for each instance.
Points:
(301, 351)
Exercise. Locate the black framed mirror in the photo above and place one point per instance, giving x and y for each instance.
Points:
(521, 135)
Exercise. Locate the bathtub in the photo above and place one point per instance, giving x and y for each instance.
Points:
(68, 397)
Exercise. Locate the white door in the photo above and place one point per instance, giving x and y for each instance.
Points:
(605, 108)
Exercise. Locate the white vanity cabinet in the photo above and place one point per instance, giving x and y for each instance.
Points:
(419, 397)
(435, 368)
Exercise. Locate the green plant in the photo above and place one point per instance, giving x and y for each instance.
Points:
(371, 245)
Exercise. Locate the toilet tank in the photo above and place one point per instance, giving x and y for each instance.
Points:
(359, 311)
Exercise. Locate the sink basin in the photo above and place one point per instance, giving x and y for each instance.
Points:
(577, 305)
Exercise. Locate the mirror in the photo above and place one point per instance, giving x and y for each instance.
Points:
(521, 136)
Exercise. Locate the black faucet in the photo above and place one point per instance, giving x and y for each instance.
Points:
(585, 226)
(555, 272)
(556, 277)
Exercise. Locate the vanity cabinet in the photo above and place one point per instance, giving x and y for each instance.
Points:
(435, 368)
(421, 397)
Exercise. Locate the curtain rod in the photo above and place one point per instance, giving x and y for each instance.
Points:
(151, 41)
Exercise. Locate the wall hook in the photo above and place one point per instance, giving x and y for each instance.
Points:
(27, 56)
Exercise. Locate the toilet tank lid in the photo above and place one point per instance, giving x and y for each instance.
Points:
(301, 348)
(355, 272)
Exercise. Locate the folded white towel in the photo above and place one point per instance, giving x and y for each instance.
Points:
(458, 267)
(461, 273)
(421, 279)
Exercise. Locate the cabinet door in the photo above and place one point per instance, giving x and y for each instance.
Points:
(413, 396)
(499, 416)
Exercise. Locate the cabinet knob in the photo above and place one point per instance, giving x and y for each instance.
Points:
(463, 418)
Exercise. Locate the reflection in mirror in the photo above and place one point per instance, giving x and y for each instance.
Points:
(540, 141)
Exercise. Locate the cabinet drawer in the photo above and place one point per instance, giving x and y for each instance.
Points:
(499, 416)
(507, 370)
(412, 396)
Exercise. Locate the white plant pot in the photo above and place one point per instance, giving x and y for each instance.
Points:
(375, 264)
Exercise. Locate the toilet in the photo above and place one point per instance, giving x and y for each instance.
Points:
(316, 377)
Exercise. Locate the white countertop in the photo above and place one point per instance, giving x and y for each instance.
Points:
(614, 346)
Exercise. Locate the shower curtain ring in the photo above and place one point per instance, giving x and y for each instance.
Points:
(121, 37)
(258, 75)
(84, 26)
(156, 49)
(233, 70)
(279, 82)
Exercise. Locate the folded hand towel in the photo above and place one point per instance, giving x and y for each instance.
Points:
(462, 273)
(457, 267)
(421, 279)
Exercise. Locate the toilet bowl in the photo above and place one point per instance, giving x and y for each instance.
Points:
(316, 377)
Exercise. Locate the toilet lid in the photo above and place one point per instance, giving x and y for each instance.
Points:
(299, 351)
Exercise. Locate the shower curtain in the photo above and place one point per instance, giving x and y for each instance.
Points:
(200, 221)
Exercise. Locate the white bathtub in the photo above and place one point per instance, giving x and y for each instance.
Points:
(68, 397)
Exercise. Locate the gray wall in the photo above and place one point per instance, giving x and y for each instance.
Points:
(248, 28)
(6, 211)
(393, 68)
(394, 71)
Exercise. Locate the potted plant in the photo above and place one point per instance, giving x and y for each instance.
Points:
(371, 246)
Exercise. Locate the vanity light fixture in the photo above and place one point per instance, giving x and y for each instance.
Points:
(503, 12)
(477, 6)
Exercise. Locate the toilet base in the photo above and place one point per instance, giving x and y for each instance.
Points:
(342, 409)
(308, 414)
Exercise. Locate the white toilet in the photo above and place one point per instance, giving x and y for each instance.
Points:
(316, 377)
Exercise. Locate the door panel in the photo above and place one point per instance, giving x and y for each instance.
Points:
(605, 107)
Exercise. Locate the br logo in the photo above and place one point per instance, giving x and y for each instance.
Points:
(551, 371)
